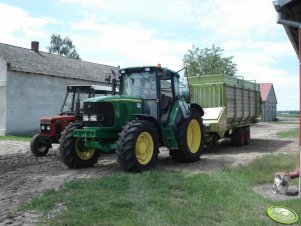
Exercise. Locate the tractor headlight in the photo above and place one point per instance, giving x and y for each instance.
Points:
(48, 127)
(42, 127)
(86, 118)
(93, 118)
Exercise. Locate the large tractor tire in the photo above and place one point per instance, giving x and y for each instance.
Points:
(138, 146)
(38, 145)
(238, 137)
(190, 140)
(72, 149)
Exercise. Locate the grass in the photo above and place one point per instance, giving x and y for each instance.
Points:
(293, 133)
(288, 115)
(16, 138)
(222, 197)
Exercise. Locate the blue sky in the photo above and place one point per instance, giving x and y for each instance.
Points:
(140, 32)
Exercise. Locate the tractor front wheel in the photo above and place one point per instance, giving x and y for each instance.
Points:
(138, 146)
(73, 152)
(190, 139)
(38, 145)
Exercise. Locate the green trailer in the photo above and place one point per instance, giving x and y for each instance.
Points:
(231, 105)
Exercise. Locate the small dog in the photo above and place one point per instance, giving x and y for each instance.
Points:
(280, 185)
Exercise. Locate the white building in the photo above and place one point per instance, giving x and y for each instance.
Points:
(33, 85)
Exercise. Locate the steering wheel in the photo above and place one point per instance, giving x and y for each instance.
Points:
(147, 93)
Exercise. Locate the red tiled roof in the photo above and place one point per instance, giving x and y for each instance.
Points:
(265, 89)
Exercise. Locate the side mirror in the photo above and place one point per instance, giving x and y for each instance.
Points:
(185, 73)
(187, 99)
(108, 78)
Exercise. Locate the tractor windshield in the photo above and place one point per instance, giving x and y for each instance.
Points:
(142, 84)
(69, 105)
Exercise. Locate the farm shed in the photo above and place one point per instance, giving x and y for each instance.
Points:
(269, 102)
(33, 84)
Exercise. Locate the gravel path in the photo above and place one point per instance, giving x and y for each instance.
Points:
(22, 175)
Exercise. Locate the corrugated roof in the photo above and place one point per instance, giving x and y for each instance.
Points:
(25, 60)
(265, 90)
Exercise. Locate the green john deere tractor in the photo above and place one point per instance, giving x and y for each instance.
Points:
(152, 109)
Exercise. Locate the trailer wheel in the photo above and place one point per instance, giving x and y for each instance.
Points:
(72, 149)
(190, 139)
(138, 146)
(238, 137)
(38, 145)
(247, 135)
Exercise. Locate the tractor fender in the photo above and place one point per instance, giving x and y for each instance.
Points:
(197, 108)
(154, 121)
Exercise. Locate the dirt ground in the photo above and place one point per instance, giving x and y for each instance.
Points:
(22, 175)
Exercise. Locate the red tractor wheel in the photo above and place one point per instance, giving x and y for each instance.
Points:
(38, 145)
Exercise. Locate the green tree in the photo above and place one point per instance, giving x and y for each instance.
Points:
(62, 47)
(208, 61)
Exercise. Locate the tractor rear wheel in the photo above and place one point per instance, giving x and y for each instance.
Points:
(138, 146)
(190, 139)
(73, 152)
(38, 145)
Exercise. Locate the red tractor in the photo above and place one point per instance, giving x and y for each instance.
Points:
(72, 109)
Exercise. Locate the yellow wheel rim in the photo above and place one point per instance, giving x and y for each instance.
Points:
(84, 155)
(194, 136)
(144, 148)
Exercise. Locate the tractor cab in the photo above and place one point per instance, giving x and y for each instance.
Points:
(158, 88)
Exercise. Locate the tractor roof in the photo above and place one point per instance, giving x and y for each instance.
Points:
(144, 68)
(97, 88)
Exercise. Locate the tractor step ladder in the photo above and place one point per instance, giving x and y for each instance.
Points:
(170, 137)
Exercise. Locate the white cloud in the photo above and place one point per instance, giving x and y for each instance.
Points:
(131, 44)
(234, 18)
(16, 20)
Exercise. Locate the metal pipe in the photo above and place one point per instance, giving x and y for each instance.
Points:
(289, 23)
(299, 171)
(299, 34)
